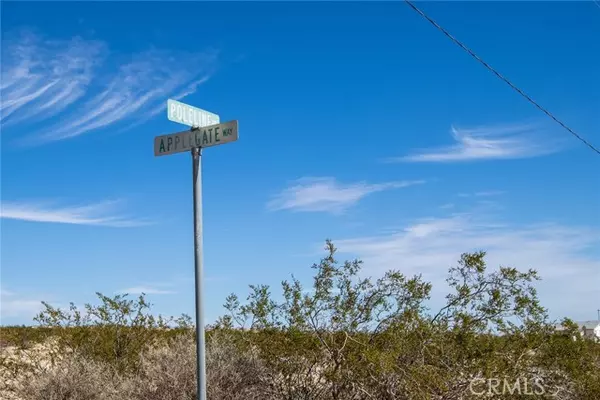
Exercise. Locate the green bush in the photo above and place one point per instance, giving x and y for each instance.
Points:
(359, 338)
(24, 336)
(349, 338)
(116, 331)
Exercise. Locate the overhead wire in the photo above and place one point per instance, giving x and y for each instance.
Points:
(499, 75)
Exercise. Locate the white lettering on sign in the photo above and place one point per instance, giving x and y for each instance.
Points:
(191, 116)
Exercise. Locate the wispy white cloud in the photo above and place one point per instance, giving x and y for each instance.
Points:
(102, 213)
(19, 308)
(327, 195)
(167, 286)
(137, 92)
(191, 88)
(489, 143)
(447, 206)
(562, 255)
(15, 306)
(41, 77)
(162, 107)
(44, 78)
(488, 193)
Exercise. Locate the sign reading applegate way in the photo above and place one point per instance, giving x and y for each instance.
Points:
(205, 136)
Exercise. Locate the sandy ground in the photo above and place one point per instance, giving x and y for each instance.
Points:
(14, 363)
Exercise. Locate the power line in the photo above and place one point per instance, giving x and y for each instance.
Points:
(475, 56)
(597, 2)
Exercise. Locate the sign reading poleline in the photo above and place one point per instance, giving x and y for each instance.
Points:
(188, 115)
(206, 136)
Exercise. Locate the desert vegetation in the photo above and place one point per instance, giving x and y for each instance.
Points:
(346, 337)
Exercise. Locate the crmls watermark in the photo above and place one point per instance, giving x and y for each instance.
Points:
(521, 386)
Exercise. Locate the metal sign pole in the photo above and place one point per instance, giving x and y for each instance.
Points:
(194, 140)
(200, 343)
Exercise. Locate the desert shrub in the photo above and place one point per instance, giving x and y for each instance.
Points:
(168, 371)
(349, 338)
(234, 372)
(116, 331)
(571, 367)
(23, 336)
(360, 339)
(74, 378)
(20, 364)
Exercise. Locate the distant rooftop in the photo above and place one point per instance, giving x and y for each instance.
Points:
(588, 324)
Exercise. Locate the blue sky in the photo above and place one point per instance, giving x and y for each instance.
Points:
(358, 122)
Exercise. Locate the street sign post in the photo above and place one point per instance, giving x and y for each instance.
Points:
(206, 132)
(190, 116)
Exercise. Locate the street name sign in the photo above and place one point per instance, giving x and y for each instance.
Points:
(206, 136)
(188, 115)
